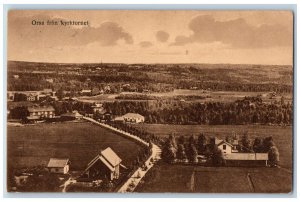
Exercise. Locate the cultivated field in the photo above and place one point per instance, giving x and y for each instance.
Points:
(194, 179)
(282, 135)
(33, 145)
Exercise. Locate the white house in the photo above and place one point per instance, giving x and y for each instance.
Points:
(134, 118)
(58, 165)
(225, 147)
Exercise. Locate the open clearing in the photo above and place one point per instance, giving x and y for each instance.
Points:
(34, 145)
(195, 179)
(282, 135)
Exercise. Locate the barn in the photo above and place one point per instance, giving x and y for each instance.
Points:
(104, 165)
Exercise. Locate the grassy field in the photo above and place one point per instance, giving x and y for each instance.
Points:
(212, 96)
(282, 135)
(192, 179)
(33, 145)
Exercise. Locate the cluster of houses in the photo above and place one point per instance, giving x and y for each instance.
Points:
(38, 113)
(31, 96)
(106, 164)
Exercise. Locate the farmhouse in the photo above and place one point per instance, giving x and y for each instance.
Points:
(133, 117)
(57, 165)
(235, 158)
(104, 165)
(225, 147)
(70, 116)
(37, 112)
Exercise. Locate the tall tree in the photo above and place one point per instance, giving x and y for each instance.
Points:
(201, 143)
(273, 155)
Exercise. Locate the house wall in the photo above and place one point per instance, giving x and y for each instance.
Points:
(57, 170)
(227, 150)
(99, 171)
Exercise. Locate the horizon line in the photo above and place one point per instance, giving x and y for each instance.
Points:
(150, 63)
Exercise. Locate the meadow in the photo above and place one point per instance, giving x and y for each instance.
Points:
(34, 145)
(195, 179)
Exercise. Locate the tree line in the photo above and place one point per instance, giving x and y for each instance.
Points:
(181, 149)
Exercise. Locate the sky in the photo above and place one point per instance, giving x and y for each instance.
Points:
(235, 37)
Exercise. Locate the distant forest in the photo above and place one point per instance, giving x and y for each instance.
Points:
(153, 78)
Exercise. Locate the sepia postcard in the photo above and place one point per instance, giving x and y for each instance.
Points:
(150, 101)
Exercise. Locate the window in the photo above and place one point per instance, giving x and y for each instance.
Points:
(224, 147)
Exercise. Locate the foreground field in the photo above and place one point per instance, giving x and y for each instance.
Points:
(192, 179)
(80, 142)
(282, 135)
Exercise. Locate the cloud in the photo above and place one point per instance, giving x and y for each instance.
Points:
(162, 36)
(237, 33)
(108, 34)
(146, 44)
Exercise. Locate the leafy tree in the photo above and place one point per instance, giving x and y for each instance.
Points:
(246, 143)
(273, 155)
(201, 143)
(181, 155)
(181, 140)
(60, 94)
(192, 153)
(257, 145)
(169, 150)
(217, 158)
(267, 144)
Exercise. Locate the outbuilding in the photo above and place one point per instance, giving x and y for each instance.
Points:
(58, 165)
(104, 165)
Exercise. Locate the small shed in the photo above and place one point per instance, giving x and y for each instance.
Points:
(58, 165)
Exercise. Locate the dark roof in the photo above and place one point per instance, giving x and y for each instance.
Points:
(41, 109)
(72, 114)
(57, 162)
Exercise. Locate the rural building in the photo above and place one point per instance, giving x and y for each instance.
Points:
(104, 165)
(225, 147)
(32, 97)
(70, 116)
(57, 165)
(38, 112)
(97, 107)
(86, 92)
(133, 118)
(246, 159)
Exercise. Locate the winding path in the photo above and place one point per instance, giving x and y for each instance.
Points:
(133, 181)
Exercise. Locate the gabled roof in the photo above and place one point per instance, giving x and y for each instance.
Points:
(108, 157)
(111, 156)
(133, 115)
(57, 162)
(224, 142)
